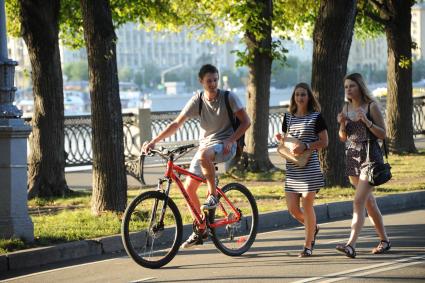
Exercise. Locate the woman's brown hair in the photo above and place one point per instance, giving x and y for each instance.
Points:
(358, 79)
(313, 104)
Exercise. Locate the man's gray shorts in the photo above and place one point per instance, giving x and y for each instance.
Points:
(195, 166)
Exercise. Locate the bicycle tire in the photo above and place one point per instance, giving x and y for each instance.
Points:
(145, 242)
(237, 238)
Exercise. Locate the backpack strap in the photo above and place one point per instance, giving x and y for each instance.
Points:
(229, 109)
(200, 102)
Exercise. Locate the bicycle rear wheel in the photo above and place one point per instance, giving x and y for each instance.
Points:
(147, 241)
(236, 238)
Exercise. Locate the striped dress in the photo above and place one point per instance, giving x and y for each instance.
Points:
(306, 129)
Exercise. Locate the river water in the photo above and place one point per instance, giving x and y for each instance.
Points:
(158, 102)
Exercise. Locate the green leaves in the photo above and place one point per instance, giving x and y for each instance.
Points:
(204, 19)
(12, 18)
(405, 62)
(368, 21)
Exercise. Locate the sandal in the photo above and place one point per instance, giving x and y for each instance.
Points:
(314, 239)
(348, 250)
(306, 252)
(382, 247)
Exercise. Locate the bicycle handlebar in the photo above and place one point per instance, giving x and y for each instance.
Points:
(166, 153)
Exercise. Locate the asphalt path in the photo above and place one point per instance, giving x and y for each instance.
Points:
(273, 258)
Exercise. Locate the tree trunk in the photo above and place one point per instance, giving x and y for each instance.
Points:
(332, 38)
(399, 78)
(109, 177)
(256, 138)
(40, 28)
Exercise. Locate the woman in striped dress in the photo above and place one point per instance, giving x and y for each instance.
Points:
(305, 123)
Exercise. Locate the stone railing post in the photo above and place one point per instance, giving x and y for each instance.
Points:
(14, 218)
(145, 122)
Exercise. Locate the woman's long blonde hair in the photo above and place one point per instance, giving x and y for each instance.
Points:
(358, 79)
(313, 104)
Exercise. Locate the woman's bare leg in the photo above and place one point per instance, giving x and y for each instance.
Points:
(293, 203)
(363, 191)
(375, 217)
(309, 217)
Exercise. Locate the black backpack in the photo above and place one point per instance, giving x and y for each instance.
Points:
(233, 119)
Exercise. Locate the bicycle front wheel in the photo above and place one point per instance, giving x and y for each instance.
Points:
(148, 241)
(236, 238)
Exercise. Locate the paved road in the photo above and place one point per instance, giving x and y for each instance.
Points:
(273, 258)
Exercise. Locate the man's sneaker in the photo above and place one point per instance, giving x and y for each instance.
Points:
(195, 239)
(210, 203)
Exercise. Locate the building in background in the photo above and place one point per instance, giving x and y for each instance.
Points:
(368, 54)
(17, 50)
(303, 50)
(136, 48)
(418, 31)
(371, 53)
(68, 55)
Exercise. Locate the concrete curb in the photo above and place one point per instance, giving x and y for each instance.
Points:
(344, 209)
(268, 221)
(42, 256)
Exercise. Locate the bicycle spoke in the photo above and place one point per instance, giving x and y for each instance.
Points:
(149, 243)
(235, 223)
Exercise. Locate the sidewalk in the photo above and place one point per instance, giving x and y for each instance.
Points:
(39, 257)
(268, 221)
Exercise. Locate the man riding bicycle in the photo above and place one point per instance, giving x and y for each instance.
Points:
(217, 138)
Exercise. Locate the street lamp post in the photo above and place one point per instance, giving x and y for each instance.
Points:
(14, 218)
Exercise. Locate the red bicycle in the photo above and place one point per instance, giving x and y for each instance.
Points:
(152, 226)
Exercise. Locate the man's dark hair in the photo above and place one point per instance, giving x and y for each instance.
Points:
(207, 68)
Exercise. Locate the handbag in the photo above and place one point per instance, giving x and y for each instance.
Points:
(378, 173)
(285, 149)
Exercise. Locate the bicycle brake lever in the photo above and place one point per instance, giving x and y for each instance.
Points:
(164, 150)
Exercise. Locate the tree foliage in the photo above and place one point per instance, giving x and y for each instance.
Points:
(76, 71)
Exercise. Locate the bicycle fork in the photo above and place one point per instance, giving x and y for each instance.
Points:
(159, 226)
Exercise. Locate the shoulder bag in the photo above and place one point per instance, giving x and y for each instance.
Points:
(287, 144)
(378, 173)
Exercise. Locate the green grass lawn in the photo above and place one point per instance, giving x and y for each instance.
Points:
(59, 220)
